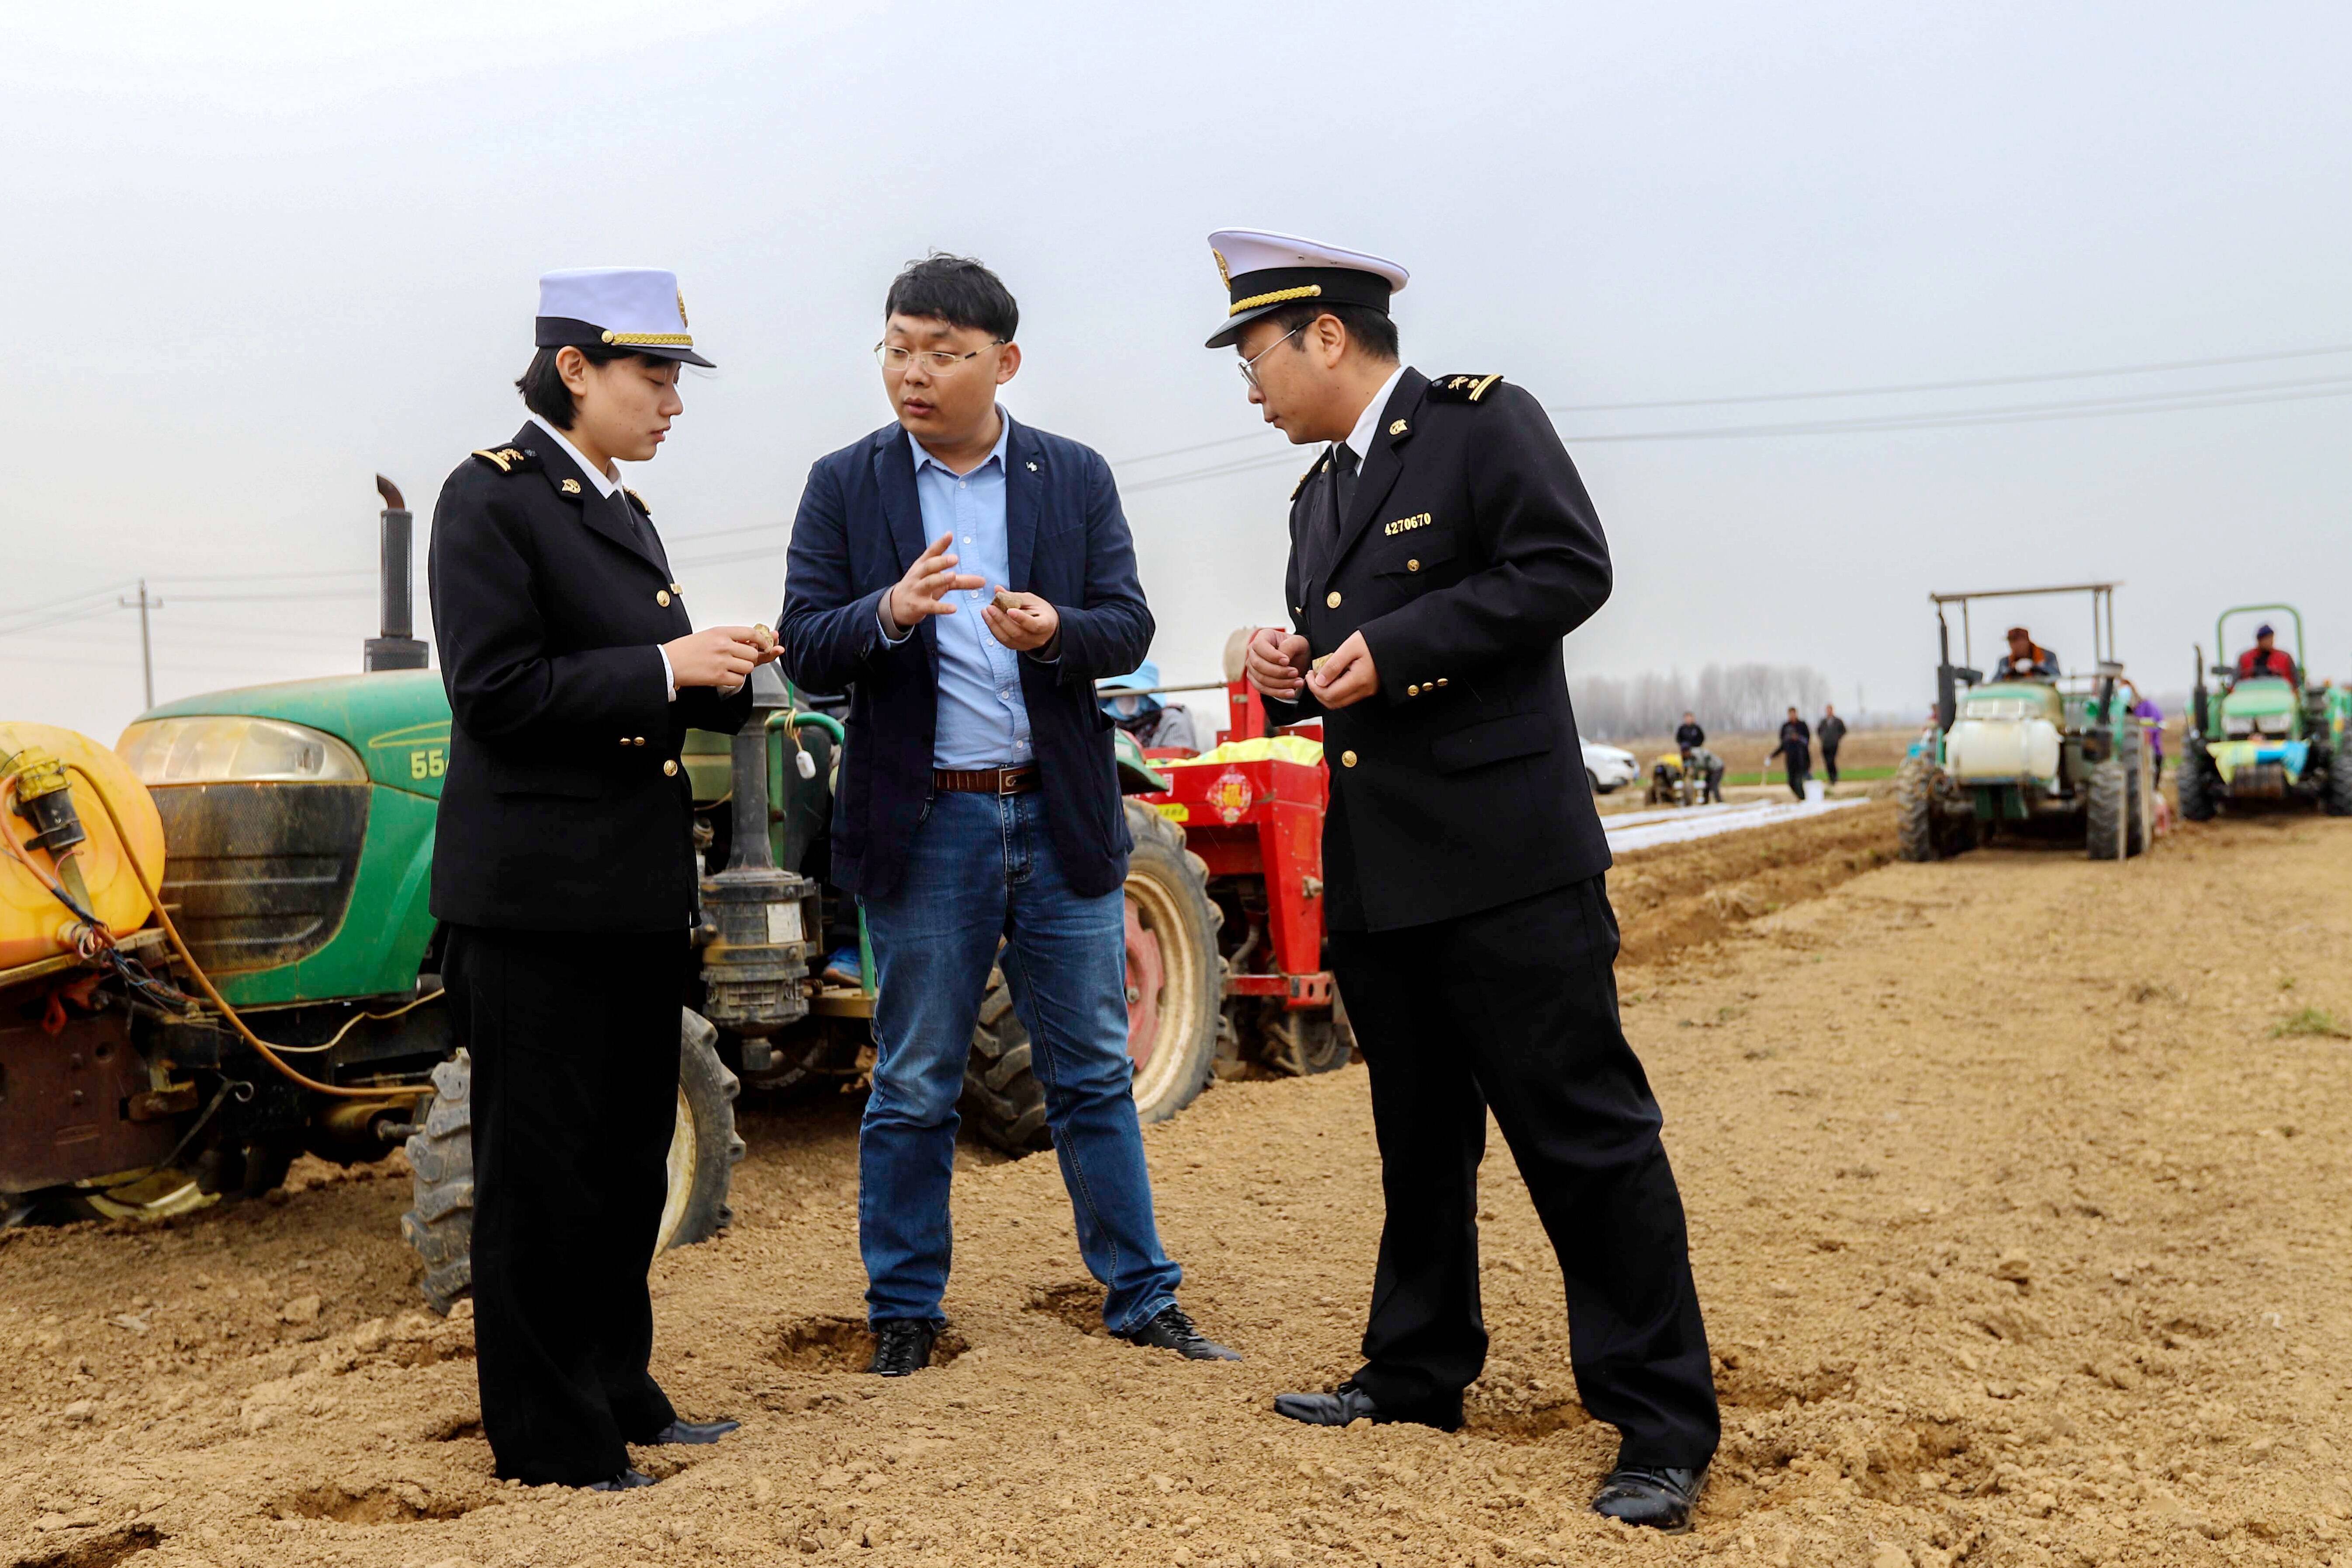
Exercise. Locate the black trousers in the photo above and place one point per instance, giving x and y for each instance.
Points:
(1516, 1008)
(1829, 762)
(574, 1038)
(1800, 768)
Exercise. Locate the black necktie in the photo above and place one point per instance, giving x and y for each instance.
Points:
(1343, 471)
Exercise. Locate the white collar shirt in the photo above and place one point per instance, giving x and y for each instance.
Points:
(1368, 423)
(608, 487)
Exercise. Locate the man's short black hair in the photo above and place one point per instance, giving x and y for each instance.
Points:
(955, 290)
(1374, 331)
(542, 388)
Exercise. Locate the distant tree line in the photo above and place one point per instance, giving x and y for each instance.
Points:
(1726, 697)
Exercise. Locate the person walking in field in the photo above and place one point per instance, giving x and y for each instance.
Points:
(1796, 748)
(1831, 734)
(967, 579)
(1442, 547)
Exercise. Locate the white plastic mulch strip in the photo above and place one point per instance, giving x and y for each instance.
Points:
(1647, 829)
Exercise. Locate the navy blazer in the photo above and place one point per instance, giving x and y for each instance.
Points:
(860, 526)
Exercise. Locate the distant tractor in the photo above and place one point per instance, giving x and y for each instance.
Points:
(2042, 755)
(2264, 738)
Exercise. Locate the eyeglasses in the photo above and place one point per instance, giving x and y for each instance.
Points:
(938, 361)
(1248, 367)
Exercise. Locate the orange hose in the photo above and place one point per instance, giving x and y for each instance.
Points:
(155, 897)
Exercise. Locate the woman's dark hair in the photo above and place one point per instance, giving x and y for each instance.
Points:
(542, 389)
(955, 290)
(1374, 331)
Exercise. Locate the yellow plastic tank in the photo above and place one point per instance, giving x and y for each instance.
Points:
(33, 924)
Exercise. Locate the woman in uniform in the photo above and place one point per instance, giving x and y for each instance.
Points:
(565, 870)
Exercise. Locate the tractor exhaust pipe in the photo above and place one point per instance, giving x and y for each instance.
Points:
(397, 648)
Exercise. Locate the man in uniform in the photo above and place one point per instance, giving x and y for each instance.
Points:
(563, 869)
(1442, 548)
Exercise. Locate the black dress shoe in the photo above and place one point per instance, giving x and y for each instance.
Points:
(695, 1431)
(1348, 1403)
(1659, 1499)
(626, 1481)
(902, 1347)
(1344, 1404)
(1170, 1329)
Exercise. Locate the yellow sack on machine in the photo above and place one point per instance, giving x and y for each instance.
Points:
(33, 924)
(1281, 748)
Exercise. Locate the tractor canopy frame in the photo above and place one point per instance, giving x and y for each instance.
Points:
(1950, 677)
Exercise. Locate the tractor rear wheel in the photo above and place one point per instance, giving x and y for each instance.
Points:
(1175, 998)
(2195, 783)
(2338, 798)
(1935, 818)
(702, 1154)
(2108, 811)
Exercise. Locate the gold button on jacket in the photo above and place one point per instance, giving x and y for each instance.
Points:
(1332, 599)
(1347, 759)
(669, 768)
(661, 597)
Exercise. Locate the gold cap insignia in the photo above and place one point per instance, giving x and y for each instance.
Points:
(570, 486)
(681, 310)
(1224, 276)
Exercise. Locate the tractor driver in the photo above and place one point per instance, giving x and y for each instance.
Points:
(2026, 659)
(2266, 658)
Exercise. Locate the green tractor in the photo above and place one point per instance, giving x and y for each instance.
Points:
(297, 829)
(2044, 755)
(2262, 737)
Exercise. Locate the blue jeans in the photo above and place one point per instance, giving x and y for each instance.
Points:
(982, 867)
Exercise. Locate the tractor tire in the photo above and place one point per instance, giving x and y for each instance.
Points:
(1935, 818)
(2108, 811)
(703, 1150)
(2338, 798)
(1172, 931)
(2195, 783)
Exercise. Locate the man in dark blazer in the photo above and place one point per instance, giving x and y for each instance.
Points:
(564, 869)
(979, 801)
(1442, 548)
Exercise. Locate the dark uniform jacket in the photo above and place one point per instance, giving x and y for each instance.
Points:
(1832, 732)
(566, 806)
(1470, 551)
(1797, 739)
(860, 526)
(1689, 735)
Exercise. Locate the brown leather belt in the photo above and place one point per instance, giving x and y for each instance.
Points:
(986, 780)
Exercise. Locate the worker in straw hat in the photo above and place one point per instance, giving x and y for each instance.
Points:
(1440, 548)
(563, 871)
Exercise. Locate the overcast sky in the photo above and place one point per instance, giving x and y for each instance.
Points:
(255, 252)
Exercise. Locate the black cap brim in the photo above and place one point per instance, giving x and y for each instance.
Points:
(687, 356)
(1231, 332)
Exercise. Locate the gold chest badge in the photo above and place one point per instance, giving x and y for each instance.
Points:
(1407, 524)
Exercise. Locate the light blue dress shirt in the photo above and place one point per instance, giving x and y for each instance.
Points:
(983, 722)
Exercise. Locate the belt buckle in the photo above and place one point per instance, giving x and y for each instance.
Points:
(1005, 783)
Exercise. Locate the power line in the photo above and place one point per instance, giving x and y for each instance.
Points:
(2247, 395)
(1968, 383)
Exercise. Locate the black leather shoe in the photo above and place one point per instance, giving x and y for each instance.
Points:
(1344, 1404)
(1348, 1403)
(1659, 1499)
(1170, 1329)
(695, 1431)
(626, 1481)
(902, 1347)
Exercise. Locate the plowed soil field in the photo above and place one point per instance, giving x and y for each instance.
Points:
(2018, 1190)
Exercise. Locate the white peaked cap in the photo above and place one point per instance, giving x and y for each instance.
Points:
(1264, 272)
(638, 308)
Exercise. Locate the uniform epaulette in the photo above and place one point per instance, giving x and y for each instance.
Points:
(510, 459)
(639, 499)
(1460, 388)
(1313, 468)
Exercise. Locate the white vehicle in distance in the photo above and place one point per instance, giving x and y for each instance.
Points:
(1609, 767)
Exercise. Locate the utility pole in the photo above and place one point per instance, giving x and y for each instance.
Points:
(146, 647)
